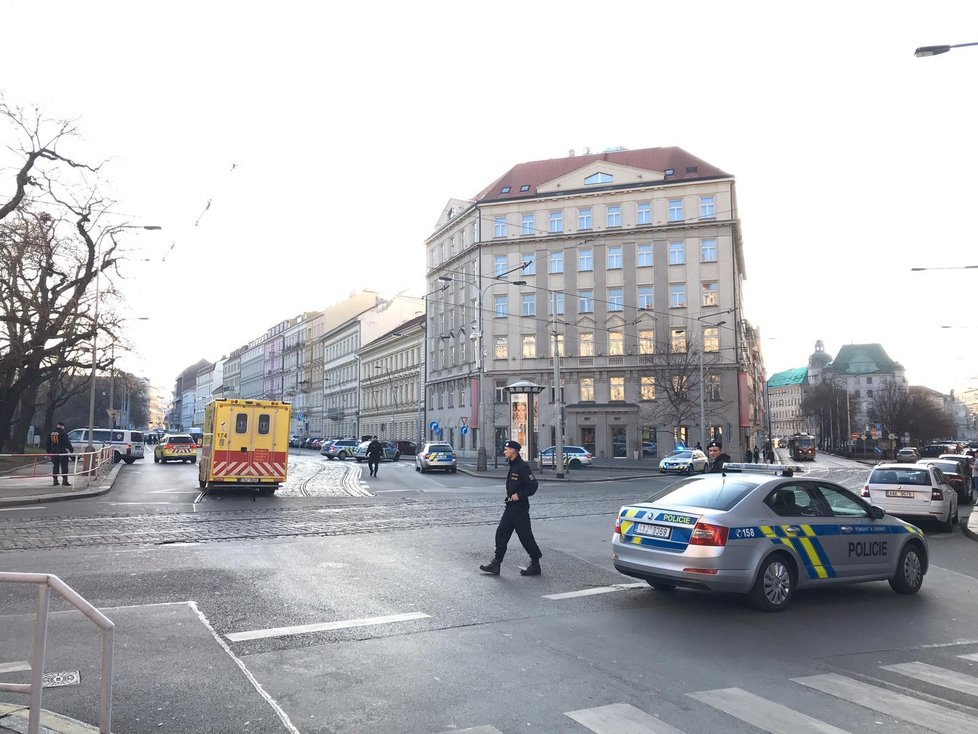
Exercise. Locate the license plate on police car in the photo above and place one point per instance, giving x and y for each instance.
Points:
(905, 493)
(655, 531)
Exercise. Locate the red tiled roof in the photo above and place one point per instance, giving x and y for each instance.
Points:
(535, 173)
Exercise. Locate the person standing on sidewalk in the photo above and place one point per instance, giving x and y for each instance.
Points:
(374, 451)
(59, 446)
(520, 485)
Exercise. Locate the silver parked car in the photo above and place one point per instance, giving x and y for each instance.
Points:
(340, 449)
(764, 534)
(684, 461)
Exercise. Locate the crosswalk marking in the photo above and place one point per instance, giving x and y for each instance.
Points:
(972, 656)
(323, 626)
(593, 591)
(620, 718)
(923, 713)
(475, 730)
(765, 715)
(938, 676)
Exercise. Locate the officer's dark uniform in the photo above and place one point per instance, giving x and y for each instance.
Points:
(59, 446)
(521, 482)
(374, 452)
(716, 465)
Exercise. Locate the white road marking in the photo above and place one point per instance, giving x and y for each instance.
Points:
(899, 706)
(937, 676)
(765, 715)
(341, 624)
(14, 509)
(14, 667)
(596, 590)
(972, 656)
(620, 718)
(475, 730)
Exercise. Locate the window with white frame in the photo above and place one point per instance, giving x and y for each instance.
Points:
(677, 295)
(587, 389)
(645, 296)
(646, 341)
(678, 341)
(711, 339)
(529, 346)
(598, 178)
(500, 264)
(713, 387)
(708, 251)
(585, 260)
(500, 391)
(643, 215)
(617, 388)
(500, 306)
(677, 253)
(616, 342)
(501, 350)
(708, 209)
(560, 304)
(556, 262)
(675, 210)
(614, 257)
(499, 227)
(526, 225)
(529, 264)
(557, 221)
(711, 294)
(616, 299)
(644, 259)
(585, 302)
(528, 304)
(614, 216)
(586, 342)
(584, 218)
(560, 345)
(647, 388)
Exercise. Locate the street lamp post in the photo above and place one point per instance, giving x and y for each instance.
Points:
(98, 272)
(481, 463)
(937, 50)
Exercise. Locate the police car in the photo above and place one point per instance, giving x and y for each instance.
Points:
(758, 529)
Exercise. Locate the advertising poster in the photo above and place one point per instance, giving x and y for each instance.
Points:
(517, 423)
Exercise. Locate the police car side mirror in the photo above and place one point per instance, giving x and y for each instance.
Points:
(876, 512)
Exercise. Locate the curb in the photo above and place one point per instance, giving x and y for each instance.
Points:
(14, 719)
(103, 488)
(971, 529)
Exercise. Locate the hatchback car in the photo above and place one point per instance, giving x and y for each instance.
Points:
(436, 455)
(390, 451)
(913, 490)
(684, 461)
(343, 448)
(175, 447)
(908, 454)
(765, 534)
(575, 457)
(952, 473)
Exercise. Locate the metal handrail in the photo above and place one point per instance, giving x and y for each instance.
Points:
(45, 582)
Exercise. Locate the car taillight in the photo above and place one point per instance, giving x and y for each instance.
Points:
(587, 455)
(706, 534)
(865, 492)
(936, 494)
(618, 525)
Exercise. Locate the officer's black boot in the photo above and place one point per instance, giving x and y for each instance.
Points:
(533, 569)
(491, 567)
(55, 481)
(65, 482)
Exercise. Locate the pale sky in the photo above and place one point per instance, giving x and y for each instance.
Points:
(328, 138)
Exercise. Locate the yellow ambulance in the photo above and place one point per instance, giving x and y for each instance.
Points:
(245, 442)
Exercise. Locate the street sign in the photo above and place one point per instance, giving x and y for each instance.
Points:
(299, 416)
(433, 426)
(465, 420)
(891, 436)
(464, 430)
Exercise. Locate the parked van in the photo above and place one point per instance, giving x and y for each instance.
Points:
(128, 445)
(246, 442)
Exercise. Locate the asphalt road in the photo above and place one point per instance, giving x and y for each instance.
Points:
(316, 612)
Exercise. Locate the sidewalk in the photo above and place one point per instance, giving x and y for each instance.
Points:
(18, 489)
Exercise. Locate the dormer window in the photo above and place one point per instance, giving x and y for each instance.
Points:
(670, 171)
(598, 178)
(525, 187)
(504, 190)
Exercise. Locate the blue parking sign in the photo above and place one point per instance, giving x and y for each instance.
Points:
(464, 430)
(433, 426)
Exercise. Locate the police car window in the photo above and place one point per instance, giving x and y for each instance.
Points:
(264, 421)
(241, 423)
(118, 436)
(792, 500)
(102, 435)
(841, 502)
(714, 492)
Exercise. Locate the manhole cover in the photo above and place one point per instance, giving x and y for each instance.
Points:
(64, 678)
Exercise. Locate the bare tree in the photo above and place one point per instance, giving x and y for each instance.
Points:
(909, 410)
(827, 404)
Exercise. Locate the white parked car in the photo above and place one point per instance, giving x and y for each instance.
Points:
(684, 461)
(913, 491)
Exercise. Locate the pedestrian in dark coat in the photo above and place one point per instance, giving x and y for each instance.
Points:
(59, 447)
(717, 457)
(374, 451)
(757, 455)
(520, 485)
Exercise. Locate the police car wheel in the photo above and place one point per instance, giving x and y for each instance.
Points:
(909, 574)
(775, 584)
(576, 464)
(660, 585)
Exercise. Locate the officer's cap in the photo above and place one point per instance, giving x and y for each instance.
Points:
(513, 445)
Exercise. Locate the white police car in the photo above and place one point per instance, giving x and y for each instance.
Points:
(759, 530)
(684, 461)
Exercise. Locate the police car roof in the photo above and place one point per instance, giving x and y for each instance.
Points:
(785, 470)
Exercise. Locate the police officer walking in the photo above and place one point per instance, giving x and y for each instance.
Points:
(520, 485)
(374, 451)
(717, 457)
(58, 446)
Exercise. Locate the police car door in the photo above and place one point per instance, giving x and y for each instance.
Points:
(863, 545)
(806, 527)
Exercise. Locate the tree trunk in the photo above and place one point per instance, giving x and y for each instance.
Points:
(28, 407)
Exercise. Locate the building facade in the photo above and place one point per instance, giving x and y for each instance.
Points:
(629, 266)
(785, 393)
